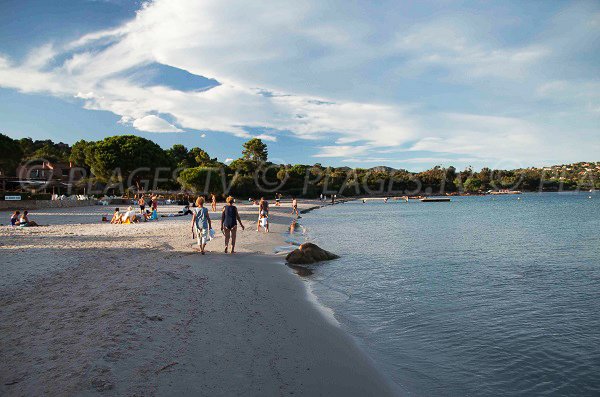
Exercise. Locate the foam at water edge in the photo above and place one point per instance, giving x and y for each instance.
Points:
(326, 311)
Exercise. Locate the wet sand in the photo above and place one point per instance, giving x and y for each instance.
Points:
(90, 308)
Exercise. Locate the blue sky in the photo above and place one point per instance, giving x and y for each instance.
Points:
(404, 84)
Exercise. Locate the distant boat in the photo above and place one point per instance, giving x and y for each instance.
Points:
(435, 199)
(505, 191)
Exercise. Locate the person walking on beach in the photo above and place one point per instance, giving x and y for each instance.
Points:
(229, 220)
(263, 215)
(142, 204)
(201, 224)
(213, 199)
(295, 206)
(154, 203)
(260, 209)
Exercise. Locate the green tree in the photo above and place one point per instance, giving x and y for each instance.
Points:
(202, 180)
(10, 155)
(179, 156)
(472, 184)
(201, 158)
(78, 152)
(45, 149)
(243, 166)
(124, 156)
(255, 150)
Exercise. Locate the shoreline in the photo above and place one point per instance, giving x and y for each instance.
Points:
(126, 309)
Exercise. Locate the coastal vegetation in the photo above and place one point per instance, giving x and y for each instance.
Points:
(131, 163)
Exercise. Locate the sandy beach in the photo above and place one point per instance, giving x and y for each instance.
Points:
(89, 308)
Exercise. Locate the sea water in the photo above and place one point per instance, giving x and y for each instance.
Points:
(491, 295)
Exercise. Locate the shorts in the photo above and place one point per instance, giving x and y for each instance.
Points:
(142, 207)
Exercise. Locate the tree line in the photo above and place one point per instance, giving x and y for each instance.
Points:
(132, 163)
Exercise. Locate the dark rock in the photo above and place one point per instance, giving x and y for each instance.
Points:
(309, 253)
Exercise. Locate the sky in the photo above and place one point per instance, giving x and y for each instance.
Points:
(406, 84)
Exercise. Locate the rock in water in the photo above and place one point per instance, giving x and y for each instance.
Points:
(309, 253)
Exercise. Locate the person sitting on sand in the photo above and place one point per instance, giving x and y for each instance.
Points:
(25, 222)
(201, 224)
(129, 216)
(116, 217)
(229, 220)
(151, 216)
(14, 218)
(185, 211)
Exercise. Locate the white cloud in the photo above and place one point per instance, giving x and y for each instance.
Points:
(152, 123)
(85, 95)
(265, 137)
(340, 151)
(448, 45)
(289, 69)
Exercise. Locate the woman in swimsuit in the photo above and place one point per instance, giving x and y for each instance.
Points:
(295, 207)
(24, 221)
(229, 220)
(213, 199)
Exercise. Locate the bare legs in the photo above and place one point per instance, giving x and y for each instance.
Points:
(230, 233)
(201, 241)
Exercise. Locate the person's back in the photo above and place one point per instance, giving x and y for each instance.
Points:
(201, 218)
(230, 219)
(14, 218)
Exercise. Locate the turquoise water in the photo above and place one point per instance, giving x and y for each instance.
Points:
(480, 296)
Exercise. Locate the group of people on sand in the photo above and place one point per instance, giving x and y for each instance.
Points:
(130, 216)
(230, 218)
(202, 225)
(148, 212)
(22, 220)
